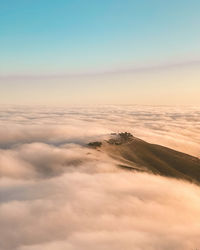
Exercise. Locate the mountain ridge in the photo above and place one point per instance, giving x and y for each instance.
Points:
(135, 154)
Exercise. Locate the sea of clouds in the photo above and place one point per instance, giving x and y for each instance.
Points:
(57, 194)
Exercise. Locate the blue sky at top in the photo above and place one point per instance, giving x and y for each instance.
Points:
(100, 51)
(76, 35)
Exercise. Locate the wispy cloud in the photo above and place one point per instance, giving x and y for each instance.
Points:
(129, 70)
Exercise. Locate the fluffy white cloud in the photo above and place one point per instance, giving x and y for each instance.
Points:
(57, 194)
(100, 210)
(176, 127)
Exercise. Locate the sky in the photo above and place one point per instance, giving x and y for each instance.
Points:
(100, 52)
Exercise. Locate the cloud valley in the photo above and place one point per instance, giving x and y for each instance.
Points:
(57, 194)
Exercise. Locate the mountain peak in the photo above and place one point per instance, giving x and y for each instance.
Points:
(133, 153)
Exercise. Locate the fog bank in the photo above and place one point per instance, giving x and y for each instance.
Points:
(57, 194)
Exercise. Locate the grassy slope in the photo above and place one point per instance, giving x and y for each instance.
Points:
(144, 156)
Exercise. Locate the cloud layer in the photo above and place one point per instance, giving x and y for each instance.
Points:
(176, 127)
(57, 194)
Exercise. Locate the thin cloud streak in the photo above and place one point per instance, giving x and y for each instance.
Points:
(130, 70)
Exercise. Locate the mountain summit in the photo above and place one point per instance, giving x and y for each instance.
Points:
(134, 154)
